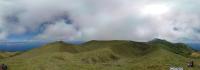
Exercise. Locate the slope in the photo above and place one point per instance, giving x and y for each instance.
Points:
(100, 55)
(178, 48)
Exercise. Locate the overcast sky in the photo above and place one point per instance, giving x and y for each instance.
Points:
(83, 20)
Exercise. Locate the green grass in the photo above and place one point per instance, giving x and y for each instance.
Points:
(103, 55)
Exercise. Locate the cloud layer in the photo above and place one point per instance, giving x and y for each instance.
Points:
(85, 20)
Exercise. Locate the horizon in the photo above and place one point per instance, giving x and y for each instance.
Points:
(29, 45)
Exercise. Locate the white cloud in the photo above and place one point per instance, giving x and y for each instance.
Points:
(100, 19)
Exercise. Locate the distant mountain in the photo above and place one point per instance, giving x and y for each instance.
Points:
(195, 46)
(25, 46)
(19, 46)
(104, 55)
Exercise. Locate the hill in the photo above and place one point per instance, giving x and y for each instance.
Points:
(178, 48)
(4, 55)
(104, 55)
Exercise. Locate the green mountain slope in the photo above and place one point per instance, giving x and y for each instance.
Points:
(49, 49)
(103, 55)
(4, 55)
(178, 48)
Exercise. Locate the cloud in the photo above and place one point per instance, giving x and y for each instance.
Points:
(58, 31)
(98, 20)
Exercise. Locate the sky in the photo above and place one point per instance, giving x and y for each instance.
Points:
(84, 20)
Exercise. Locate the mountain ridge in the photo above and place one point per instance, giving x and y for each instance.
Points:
(103, 55)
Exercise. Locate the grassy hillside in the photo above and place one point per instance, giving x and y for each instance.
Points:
(104, 55)
(178, 48)
(4, 55)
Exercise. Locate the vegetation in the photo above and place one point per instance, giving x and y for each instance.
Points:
(105, 55)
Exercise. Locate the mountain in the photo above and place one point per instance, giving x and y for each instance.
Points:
(104, 55)
(178, 48)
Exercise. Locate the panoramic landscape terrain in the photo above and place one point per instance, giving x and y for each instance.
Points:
(104, 55)
(99, 34)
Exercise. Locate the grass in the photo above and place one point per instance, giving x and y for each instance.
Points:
(104, 55)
